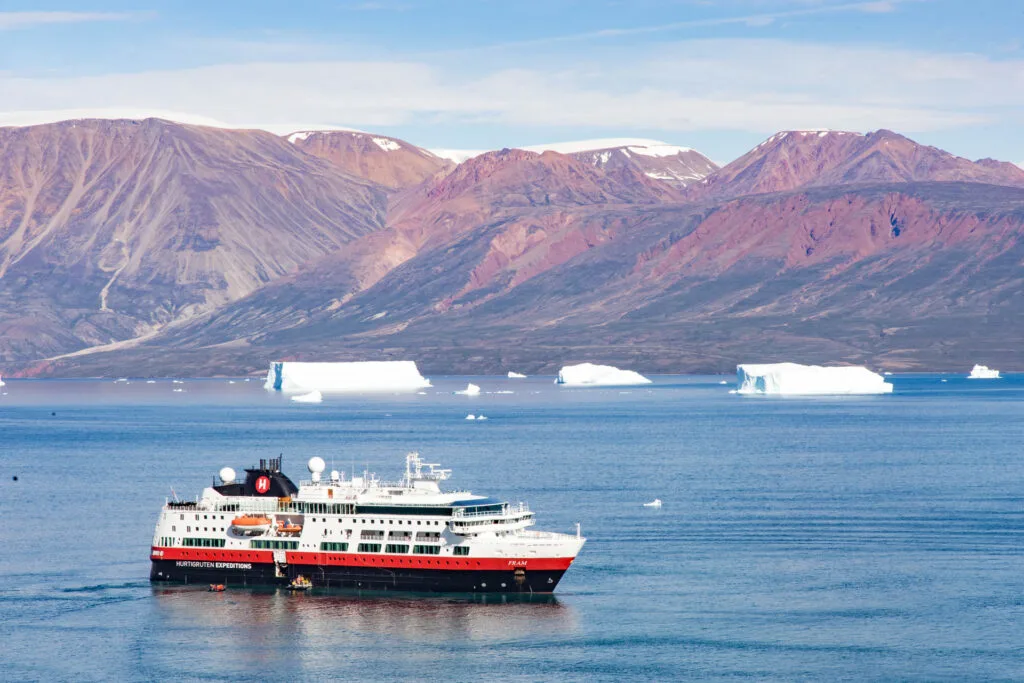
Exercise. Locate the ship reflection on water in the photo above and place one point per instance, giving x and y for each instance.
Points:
(262, 622)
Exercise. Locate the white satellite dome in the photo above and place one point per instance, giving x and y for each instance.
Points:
(227, 475)
(335, 476)
(316, 464)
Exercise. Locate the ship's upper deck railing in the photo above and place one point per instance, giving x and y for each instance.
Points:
(507, 510)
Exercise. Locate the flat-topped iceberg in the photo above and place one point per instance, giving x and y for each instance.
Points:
(367, 376)
(793, 379)
(590, 375)
(515, 375)
(983, 372)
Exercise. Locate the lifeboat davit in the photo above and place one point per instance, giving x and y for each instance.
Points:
(251, 524)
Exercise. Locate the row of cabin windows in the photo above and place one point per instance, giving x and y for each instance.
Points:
(396, 548)
(203, 542)
(426, 549)
(166, 540)
(369, 547)
(319, 508)
(275, 545)
(461, 550)
(334, 547)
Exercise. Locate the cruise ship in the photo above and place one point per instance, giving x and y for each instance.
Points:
(356, 533)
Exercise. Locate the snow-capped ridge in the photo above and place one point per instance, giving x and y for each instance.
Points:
(642, 146)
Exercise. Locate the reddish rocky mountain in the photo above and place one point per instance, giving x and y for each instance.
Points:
(533, 260)
(114, 229)
(796, 159)
(387, 161)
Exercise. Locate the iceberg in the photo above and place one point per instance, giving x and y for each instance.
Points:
(2, 383)
(311, 397)
(471, 416)
(983, 372)
(793, 379)
(590, 375)
(515, 375)
(367, 376)
(470, 390)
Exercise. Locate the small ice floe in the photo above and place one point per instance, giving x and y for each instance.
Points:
(887, 373)
(471, 416)
(723, 382)
(943, 380)
(248, 379)
(231, 381)
(470, 390)
(177, 391)
(983, 372)
(421, 393)
(481, 417)
(150, 381)
(656, 503)
(501, 392)
(177, 381)
(122, 380)
(311, 397)
(515, 375)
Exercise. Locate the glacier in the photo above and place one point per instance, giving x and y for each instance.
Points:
(364, 376)
(590, 375)
(793, 379)
(983, 372)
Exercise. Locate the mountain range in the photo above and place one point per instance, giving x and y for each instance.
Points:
(147, 247)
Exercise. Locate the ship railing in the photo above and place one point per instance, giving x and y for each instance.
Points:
(508, 510)
(543, 535)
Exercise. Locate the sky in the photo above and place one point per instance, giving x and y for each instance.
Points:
(715, 75)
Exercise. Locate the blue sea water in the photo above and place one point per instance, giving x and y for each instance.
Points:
(865, 538)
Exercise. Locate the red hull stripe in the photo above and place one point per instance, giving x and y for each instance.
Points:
(363, 560)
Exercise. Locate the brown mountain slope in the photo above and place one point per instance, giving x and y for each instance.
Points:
(907, 276)
(536, 208)
(795, 159)
(387, 161)
(111, 229)
(534, 260)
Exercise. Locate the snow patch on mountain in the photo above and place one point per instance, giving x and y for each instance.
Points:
(387, 144)
(457, 155)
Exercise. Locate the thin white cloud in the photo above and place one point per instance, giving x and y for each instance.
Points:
(753, 20)
(20, 20)
(739, 85)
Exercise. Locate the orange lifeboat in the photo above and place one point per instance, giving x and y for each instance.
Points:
(283, 528)
(251, 524)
